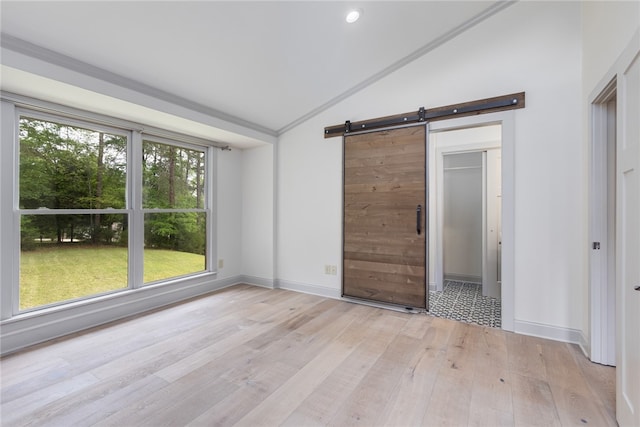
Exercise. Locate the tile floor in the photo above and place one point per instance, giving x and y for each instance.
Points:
(464, 301)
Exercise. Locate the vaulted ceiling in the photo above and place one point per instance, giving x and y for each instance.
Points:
(265, 65)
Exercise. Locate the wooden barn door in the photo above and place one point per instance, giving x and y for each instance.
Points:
(384, 245)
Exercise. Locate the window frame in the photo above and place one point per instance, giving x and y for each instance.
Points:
(134, 134)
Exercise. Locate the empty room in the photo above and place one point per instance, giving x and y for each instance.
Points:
(301, 213)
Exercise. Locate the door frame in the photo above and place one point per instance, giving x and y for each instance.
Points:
(602, 275)
(507, 120)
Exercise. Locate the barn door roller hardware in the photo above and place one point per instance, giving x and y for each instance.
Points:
(482, 106)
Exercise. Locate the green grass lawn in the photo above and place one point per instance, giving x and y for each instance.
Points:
(60, 273)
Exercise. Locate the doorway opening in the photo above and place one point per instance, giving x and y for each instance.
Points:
(467, 184)
(602, 228)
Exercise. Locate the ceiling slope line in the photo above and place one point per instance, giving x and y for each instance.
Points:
(32, 50)
(449, 35)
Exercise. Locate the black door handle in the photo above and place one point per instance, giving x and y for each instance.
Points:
(419, 219)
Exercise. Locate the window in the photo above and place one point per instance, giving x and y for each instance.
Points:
(81, 235)
(72, 199)
(173, 198)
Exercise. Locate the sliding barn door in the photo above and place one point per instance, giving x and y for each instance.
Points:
(384, 216)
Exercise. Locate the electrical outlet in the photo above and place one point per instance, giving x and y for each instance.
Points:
(220, 263)
(331, 269)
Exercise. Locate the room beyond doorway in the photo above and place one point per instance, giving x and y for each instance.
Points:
(466, 181)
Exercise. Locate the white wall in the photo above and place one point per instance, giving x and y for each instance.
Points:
(309, 198)
(607, 28)
(257, 214)
(229, 209)
(530, 46)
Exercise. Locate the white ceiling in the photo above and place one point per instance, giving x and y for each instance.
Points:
(265, 65)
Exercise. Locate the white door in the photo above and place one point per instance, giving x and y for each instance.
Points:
(628, 246)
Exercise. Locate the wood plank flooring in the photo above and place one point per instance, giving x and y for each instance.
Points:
(249, 356)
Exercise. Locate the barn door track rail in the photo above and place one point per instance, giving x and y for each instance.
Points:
(482, 106)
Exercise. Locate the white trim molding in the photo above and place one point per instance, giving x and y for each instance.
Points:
(307, 288)
(555, 333)
(263, 282)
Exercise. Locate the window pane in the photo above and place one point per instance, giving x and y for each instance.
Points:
(65, 257)
(66, 167)
(173, 177)
(175, 244)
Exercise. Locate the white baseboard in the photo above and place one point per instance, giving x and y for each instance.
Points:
(256, 281)
(308, 288)
(433, 286)
(585, 346)
(36, 327)
(556, 333)
(33, 328)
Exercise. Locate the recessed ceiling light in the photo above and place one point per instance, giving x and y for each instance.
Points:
(353, 15)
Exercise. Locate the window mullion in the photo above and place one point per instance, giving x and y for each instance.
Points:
(134, 203)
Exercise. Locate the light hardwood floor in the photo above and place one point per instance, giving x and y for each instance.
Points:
(250, 356)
